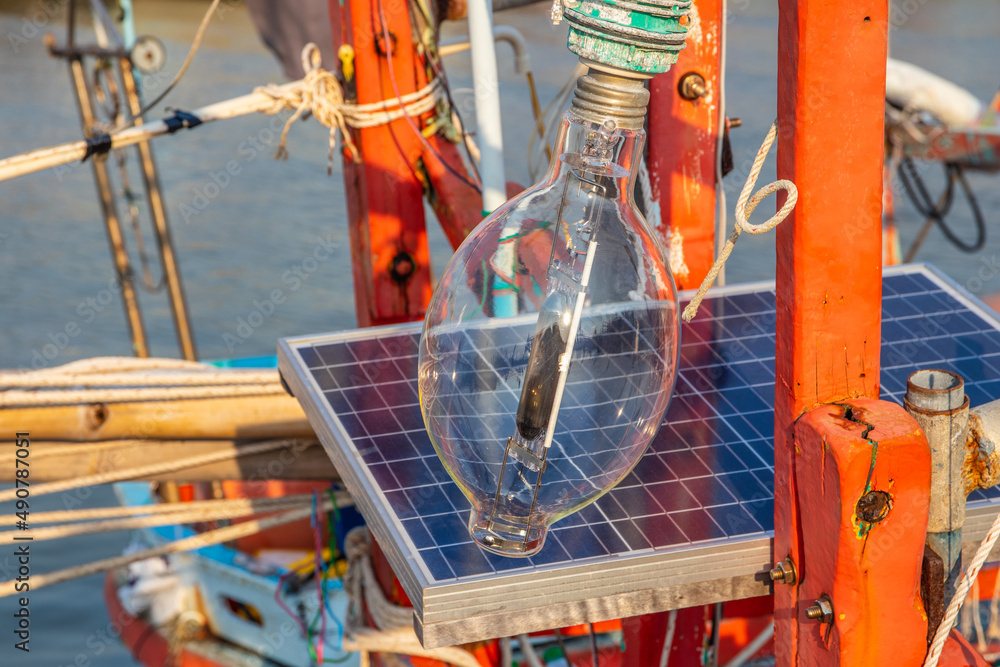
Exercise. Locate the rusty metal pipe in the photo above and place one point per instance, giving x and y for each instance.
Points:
(936, 399)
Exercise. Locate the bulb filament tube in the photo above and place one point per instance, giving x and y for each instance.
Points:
(509, 527)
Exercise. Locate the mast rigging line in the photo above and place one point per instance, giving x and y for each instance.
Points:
(306, 93)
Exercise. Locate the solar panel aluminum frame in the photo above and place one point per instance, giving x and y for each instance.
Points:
(557, 595)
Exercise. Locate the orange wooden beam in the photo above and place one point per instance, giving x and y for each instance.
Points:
(682, 146)
(831, 87)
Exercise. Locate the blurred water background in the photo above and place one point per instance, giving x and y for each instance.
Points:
(55, 263)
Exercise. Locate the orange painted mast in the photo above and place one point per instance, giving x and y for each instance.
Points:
(385, 189)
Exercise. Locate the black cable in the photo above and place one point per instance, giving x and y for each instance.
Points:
(917, 191)
(562, 645)
(921, 200)
(593, 645)
(438, 68)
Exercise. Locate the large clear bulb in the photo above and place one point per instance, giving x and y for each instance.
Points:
(550, 346)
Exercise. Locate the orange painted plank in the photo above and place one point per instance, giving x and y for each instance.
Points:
(871, 572)
(831, 87)
(682, 139)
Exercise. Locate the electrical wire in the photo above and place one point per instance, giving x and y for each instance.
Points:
(438, 67)
(917, 192)
(387, 41)
(562, 644)
(195, 44)
(593, 645)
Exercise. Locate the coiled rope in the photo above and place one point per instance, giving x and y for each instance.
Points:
(319, 92)
(744, 207)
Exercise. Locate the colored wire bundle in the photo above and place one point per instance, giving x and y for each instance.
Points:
(324, 564)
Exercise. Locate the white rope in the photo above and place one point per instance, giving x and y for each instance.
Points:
(208, 538)
(394, 632)
(964, 585)
(111, 379)
(153, 469)
(319, 91)
(181, 516)
(744, 207)
(258, 504)
(102, 365)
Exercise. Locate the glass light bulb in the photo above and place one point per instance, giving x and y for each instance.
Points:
(551, 343)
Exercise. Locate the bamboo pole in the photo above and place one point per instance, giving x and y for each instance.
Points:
(56, 461)
(246, 417)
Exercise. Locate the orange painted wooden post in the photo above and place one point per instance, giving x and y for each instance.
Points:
(866, 490)
(682, 138)
(389, 253)
(831, 87)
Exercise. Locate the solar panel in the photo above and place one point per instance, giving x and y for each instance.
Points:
(691, 524)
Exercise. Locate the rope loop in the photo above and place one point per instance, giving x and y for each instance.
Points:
(744, 207)
(320, 93)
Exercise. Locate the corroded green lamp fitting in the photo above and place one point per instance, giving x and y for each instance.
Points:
(643, 37)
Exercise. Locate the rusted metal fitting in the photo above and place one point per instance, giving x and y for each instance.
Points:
(692, 86)
(822, 610)
(784, 572)
(936, 399)
(982, 453)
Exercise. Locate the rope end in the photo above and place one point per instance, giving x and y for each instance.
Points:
(690, 311)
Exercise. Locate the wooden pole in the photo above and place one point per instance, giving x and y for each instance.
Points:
(53, 461)
(682, 145)
(831, 88)
(250, 417)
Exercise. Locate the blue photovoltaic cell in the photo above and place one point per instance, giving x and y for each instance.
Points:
(708, 474)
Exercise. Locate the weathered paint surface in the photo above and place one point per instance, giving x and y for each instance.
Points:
(682, 139)
(831, 89)
(868, 564)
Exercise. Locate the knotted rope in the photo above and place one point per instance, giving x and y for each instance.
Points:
(319, 92)
(744, 207)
